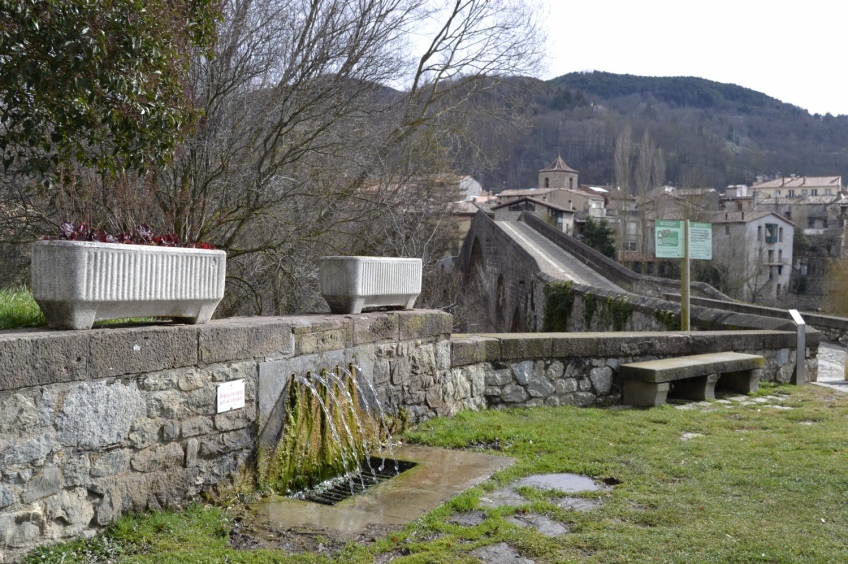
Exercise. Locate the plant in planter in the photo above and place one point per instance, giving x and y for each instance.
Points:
(85, 275)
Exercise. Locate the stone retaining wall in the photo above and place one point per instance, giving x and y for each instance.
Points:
(581, 368)
(98, 423)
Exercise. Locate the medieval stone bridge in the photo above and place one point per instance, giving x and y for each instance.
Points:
(509, 264)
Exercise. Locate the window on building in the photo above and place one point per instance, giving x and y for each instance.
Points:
(788, 214)
(804, 192)
(570, 183)
(780, 255)
(738, 206)
(759, 233)
(630, 245)
(779, 270)
(811, 222)
(777, 192)
(805, 268)
(771, 273)
(780, 235)
(727, 229)
(814, 192)
(778, 289)
(771, 233)
(770, 256)
(791, 193)
(547, 182)
(827, 192)
(824, 223)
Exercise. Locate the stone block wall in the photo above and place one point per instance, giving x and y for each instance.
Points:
(581, 369)
(98, 423)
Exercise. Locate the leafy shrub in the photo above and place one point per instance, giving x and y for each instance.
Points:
(143, 235)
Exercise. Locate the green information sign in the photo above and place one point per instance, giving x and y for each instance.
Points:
(669, 238)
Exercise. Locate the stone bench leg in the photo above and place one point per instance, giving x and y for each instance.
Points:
(700, 388)
(645, 394)
(743, 381)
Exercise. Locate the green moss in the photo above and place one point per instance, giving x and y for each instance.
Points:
(616, 311)
(559, 299)
(323, 435)
(668, 319)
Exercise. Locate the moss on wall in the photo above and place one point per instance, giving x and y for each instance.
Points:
(559, 299)
(590, 305)
(616, 312)
(668, 319)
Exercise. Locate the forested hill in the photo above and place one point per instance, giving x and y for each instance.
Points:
(676, 91)
(711, 134)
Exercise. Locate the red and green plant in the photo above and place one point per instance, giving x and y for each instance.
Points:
(142, 235)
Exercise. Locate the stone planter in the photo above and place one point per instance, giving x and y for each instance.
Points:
(350, 284)
(77, 283)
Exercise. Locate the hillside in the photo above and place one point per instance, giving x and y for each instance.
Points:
(711, 134)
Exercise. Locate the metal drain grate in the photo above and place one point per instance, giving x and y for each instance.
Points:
(371, 476)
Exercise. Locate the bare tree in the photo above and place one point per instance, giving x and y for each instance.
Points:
(305, 151)
(623, 159)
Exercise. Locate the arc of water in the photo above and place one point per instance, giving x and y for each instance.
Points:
(341, 409)
(382, 417)
(333, 376)
(368, 408)
(330, 424)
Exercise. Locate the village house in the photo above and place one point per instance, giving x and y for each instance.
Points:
(561, 218)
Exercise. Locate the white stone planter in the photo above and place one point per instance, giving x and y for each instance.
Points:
(77, 283)
(350, 284)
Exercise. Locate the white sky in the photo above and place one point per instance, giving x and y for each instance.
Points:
(793, 51)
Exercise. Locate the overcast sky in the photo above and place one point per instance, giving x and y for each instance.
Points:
(795, 52)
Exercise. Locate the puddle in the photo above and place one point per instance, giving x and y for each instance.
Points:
(562, 482)
(566, 483)
(439, 475)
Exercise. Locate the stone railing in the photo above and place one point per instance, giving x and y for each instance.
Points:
(832, 328)
(98, 423)
(612, 270)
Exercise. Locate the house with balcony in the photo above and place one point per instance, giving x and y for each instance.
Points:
(752, 252)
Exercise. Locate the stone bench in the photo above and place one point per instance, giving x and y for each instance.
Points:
(646, 384)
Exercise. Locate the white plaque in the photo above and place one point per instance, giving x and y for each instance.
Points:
(230, 396)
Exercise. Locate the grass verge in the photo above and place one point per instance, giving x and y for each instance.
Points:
(756, 481)
(18, 309)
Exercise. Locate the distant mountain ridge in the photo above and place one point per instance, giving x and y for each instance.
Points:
(711, 134)
(680, 90)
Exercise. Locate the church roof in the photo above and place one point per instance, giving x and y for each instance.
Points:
(558, 165)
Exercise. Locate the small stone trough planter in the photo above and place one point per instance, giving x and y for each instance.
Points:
(77, 282)
(350, 284)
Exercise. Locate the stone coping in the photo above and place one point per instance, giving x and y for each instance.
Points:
(40, 356)
(477, 348)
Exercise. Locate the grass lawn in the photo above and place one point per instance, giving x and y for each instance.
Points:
(18, 309)
(764, 482)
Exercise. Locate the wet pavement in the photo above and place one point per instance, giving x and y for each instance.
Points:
(440, 475)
